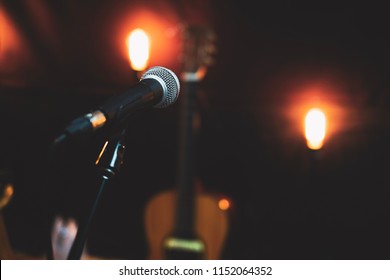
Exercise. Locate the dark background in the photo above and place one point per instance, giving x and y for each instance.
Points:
(59, 59)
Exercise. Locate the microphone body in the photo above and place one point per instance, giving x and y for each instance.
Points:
(159, 87)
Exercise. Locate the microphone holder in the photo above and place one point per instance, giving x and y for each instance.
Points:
(109, 162)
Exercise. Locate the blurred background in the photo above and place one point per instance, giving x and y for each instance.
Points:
(273, 62)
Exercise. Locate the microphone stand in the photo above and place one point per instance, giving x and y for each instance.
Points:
(109, 162)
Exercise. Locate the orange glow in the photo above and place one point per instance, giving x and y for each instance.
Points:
(2, 23)
(14, 52)
(7, 195)
(9, 190)
(332, 101)
(162, 28)
(8, 35)
(224, 204)
(315, 128)
(138, 46)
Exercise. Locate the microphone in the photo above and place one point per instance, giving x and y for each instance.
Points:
(158, 87)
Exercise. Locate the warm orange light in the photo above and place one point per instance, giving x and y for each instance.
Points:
(333, 96)
(14, 52)
(315, 128)
(162, 25)
(9, 190)
(5, 29)
(6, 195)
(139, 47)
(223, 204)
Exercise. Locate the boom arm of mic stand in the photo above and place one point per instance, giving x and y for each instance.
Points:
(109, 162)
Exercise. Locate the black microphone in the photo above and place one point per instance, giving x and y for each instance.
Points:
(158, 87)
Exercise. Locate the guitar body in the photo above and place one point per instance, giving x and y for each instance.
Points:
(211, 223)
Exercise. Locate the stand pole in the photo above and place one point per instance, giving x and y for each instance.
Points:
(109, 163)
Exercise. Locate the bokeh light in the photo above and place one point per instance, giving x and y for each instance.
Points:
(163, 30)
(224, 204)
(139, 47)
(315, 128)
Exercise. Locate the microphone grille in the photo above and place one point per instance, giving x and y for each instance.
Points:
(169, 82)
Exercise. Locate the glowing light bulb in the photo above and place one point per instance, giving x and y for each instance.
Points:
(138, 46)
(315, 128)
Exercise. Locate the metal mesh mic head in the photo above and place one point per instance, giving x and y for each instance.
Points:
(169, 82)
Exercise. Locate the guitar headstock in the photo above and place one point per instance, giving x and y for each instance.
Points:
(198, 51)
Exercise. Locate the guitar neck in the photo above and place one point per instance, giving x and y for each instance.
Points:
(184, 218)
(185, 243)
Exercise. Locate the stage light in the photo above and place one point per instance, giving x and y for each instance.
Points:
(138, 45)
(315, 128)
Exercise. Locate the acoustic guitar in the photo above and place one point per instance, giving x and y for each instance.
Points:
(185, 222)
